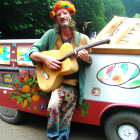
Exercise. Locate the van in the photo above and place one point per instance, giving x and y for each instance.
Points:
(112, 89)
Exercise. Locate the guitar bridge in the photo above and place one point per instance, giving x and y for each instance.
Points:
(45, 74)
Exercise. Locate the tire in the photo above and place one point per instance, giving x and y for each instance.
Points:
(9, 115)
(123, 126)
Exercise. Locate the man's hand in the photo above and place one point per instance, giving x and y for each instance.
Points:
(52, 62)
(83, 54)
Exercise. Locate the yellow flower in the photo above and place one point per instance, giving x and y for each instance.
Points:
(53, 13)
(64, 3)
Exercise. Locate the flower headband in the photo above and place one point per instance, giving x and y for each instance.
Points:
(62, 4)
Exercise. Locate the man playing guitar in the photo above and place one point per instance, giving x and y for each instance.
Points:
(63, 99)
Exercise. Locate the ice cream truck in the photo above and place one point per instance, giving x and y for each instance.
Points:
(112, 89)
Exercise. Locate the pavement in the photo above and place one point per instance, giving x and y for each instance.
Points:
(34, 127)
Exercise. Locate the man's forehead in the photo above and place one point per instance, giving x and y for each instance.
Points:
(62, 10)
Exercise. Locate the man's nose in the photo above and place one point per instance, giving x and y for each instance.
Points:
(62, 15)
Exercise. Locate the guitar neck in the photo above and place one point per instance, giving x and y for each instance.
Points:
(84, 47)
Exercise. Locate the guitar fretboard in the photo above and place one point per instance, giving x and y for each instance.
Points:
(84, 47)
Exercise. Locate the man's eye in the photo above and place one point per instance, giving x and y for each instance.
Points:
(65, 13)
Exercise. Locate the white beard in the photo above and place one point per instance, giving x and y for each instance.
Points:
(65, 24)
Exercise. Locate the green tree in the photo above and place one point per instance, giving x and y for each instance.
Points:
(29, 16)
(131, 6)
(137, 15)
(89, 11)
(113, 7)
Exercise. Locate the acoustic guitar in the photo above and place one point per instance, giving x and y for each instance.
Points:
(48, 79)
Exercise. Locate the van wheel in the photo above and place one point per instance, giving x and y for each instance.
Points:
(123, 126)
(9, 115)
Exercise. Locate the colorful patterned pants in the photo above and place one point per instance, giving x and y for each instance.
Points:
(60, 110)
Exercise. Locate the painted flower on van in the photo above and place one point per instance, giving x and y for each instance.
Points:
(27, 90)
(125, 75)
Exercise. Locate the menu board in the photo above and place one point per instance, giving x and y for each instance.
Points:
(23, 56)
(5, 55)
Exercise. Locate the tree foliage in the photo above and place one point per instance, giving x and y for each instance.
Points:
(89, 11)
(131, 6)
(31, 18)
(113, 7)
(137, 15)
(31, 15)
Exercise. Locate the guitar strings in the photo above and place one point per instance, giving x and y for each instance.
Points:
(84, 47)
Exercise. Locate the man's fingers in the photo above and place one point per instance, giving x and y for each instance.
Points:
(82, 53)
(55, 65)
(53, 68)
(85, 51)
(58, 60)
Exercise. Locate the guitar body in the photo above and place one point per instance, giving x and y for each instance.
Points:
(55, 78)
(48, 80)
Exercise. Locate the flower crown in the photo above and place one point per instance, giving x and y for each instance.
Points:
(63, 4)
